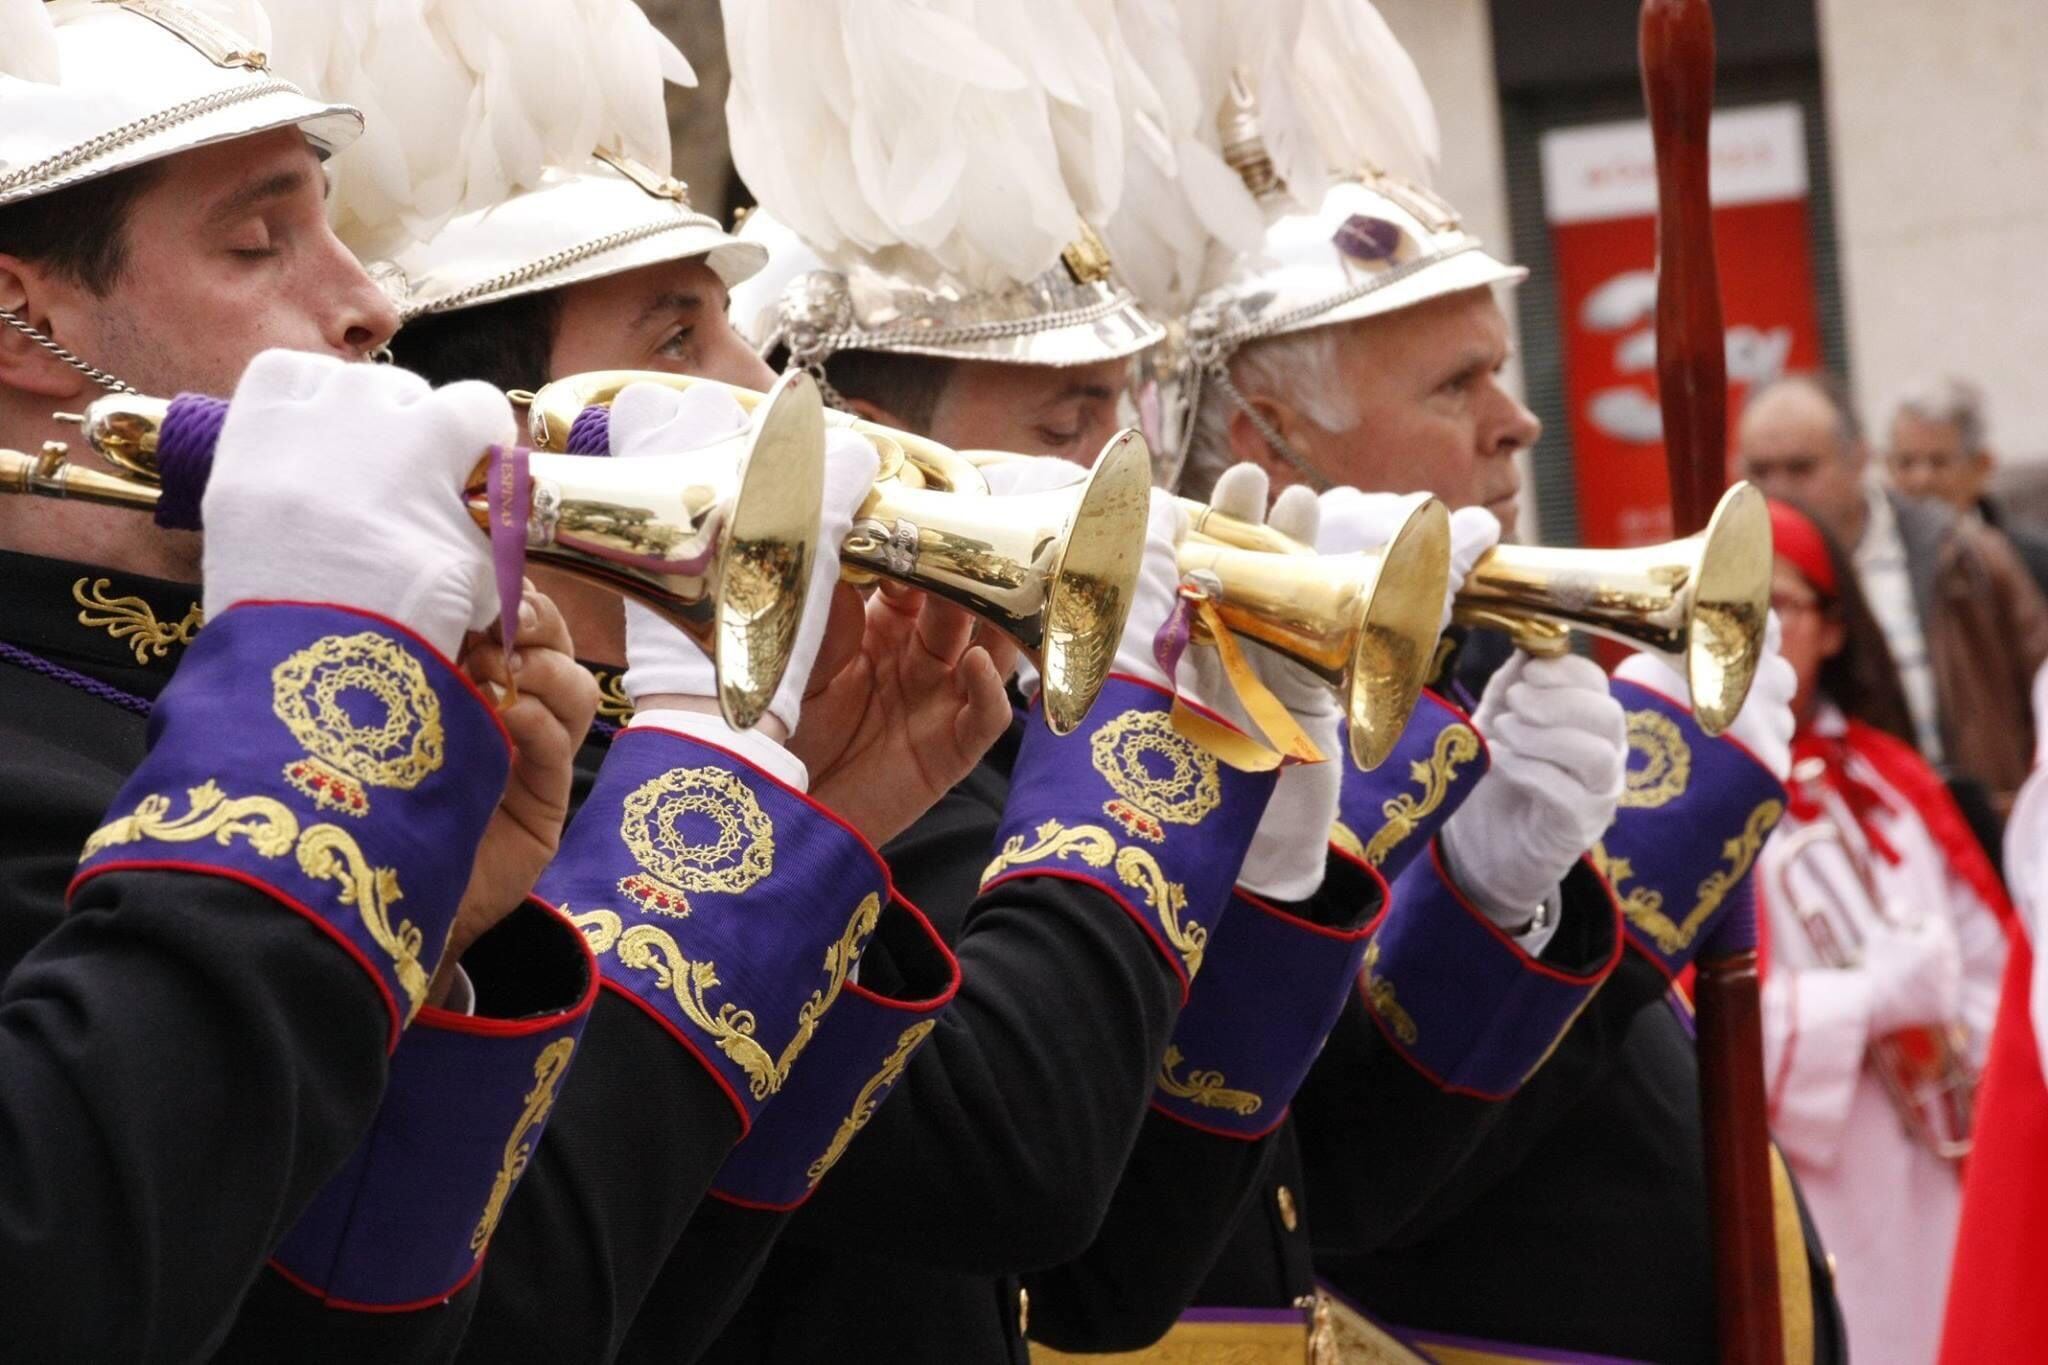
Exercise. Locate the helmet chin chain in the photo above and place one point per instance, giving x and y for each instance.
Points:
(97, 376)
(1219, 375)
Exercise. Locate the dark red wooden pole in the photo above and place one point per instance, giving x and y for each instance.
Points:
(1677, 50)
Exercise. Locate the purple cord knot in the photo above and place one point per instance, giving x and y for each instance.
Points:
(590, 433)
(184, 458)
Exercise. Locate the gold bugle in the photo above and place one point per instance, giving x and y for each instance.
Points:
(1366, 623)
(732, 573)
(1701, 600)
(1056, 571)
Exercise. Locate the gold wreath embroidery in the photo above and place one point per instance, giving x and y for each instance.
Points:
(612, 702)
(648, 947)
(548, 1071)
(1147, 802)
(1738, 853)
(134, 620)
(740, 852)
(866, 1102)
(1455, 744)
(400, 745)
(1205, 1088)
(1383, 999)
(1137, 869)
(325, 853)
(1667, 761)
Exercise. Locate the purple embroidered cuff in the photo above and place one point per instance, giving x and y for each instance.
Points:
(849, 1070)
(404, 1224)
(1269, 994)
(1461, 1000)
(1390, 814)
(727, 906)
(1694, 814)
(332, 760)
(1129, 805)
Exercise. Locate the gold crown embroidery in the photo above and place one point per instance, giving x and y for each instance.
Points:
(1146, 800)
(132, 619)
(365, 714)
(662, 826)
(1666, 767)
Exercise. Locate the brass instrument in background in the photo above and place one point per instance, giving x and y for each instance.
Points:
(1700, 600)
(1925, 1071)
(1044, 566)
(1055, 571)
(730, 573)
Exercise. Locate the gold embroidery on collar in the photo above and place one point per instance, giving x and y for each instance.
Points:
(133, 620)
(1205, 1088)
(548, 1071)
(612, 702)
(865, 1103)
(1381, 991)
(1147, 802)
(1137, 869)
(1667, 761)
(1455, 744)
(671, 866)
(325, 853)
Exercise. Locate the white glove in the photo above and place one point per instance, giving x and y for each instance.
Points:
(1353, 521)
(1166, 525)
(1560, 753)
(1286, 858)
(1764, 725)
(1031, 474)
(648, 419)
(342, 483)
(1915, 975)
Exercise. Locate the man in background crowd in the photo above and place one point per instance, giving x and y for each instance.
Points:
(1940, 448)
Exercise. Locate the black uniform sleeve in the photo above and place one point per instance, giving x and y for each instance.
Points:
(183, 1065)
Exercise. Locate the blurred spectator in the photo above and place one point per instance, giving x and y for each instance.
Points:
(1964, 622)
(1883, 949)
(1941, 449)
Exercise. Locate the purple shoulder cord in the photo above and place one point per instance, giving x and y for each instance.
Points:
(56, 672)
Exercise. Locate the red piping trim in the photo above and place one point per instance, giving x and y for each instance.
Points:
(930, 1003)
(1438, 1081)
(1521, 954)
(760, 1206)
(482, 1027)
(1365, 930)
(1227, 1134)
(1145, 926)
(304, 911)
(348, 1306)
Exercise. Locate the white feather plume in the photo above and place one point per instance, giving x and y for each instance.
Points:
(468, 101)
(975, 133)
(28, 42)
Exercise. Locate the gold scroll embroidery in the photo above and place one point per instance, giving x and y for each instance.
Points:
(612, 702)
(1455, 744)
(1146, 802)
(401, 743)
(1643, 905)
(1667, 761)
(648, 947)
(134, 620)
(325, 853)
(548, 1071)
(1205, 1088)
(865, 1103)
(740, 852)
(1738, 853)
(1381, 991)
(1097, 847)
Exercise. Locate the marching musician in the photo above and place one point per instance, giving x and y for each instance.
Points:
(232, 935)
(1881, 961)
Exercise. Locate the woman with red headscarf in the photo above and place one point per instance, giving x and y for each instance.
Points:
(1883, 945)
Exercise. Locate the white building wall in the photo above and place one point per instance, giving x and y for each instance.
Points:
(1938, 129)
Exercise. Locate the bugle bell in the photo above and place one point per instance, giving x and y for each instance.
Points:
(1365, 622)
(1701, 600)
(732, 573)
(1055, 571)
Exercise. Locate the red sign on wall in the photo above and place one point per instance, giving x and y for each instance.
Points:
(1600, 197)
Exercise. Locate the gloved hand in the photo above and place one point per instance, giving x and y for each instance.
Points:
(1764, 725)
(1285, 861)
(1031, 474)
(647, 419)
(380, 458)
(1915, 975)
(1157, 592)
(1353, 521)
(1560, 754)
